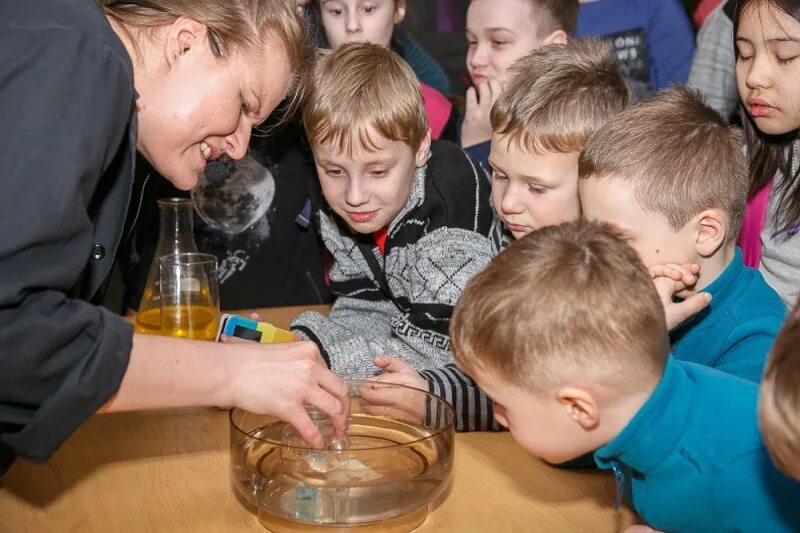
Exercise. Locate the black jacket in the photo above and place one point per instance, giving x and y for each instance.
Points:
(67, 150)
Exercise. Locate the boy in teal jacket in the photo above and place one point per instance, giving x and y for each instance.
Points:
(565, 332)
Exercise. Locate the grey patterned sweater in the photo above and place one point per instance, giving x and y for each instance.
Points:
(400, 303)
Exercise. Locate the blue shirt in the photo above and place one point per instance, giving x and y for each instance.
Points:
(695, 460)
(736, 331)
(656, 30)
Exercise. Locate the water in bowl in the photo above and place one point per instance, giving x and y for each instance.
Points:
(386, 468)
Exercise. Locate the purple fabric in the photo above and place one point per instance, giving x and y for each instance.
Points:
(447, 16)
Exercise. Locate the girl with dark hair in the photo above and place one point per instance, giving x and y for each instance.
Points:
(767, 40)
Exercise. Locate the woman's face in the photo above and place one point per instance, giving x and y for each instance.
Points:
(195, 106)
(370, 21)
(768, 67)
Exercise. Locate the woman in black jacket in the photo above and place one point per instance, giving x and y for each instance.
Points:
(82, 88)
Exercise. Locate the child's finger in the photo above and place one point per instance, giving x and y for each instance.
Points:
(484, 93)
(683, 311)
(393, 365)
(472, 98)
(256, 317)
(496, 89)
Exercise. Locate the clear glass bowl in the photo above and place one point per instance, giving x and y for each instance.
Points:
(396, 461)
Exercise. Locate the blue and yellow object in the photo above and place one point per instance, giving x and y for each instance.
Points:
(247, 329)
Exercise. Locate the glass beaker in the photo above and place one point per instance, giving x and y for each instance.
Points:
(189, 295)
(176, 235)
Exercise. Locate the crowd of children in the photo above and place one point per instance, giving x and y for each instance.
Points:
(598, 270)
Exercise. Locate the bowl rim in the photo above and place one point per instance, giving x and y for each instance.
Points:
(448, 407)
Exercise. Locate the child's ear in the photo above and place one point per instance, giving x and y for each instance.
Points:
(581, 406)
(421, 157)
(557, 37)
(710, 227)
(399, 11)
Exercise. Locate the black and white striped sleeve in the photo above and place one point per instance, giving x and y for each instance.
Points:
(473, 409)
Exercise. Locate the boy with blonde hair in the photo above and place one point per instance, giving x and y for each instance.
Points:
(556, 97)
(670, 174)
(406, 220)
(500, 32)
(779, 399)
(565, 332)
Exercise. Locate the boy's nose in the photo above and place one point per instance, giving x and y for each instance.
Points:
(510, 205)
(356, 195)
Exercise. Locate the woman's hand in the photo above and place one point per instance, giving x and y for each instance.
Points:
(280, 380)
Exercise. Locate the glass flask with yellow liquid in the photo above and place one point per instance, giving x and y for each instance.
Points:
(189, 295)
(176, 235)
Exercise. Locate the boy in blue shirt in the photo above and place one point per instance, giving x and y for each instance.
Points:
(565, 332)
(671, 176)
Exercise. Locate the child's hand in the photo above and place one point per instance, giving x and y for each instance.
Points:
(398, 372)
(685, 273)
(673, 280)
(476, 127)
(403, 404)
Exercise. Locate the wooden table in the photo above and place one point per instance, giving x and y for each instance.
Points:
(168, 471)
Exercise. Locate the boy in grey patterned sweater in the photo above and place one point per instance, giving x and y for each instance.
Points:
(557, 96)
(405, 220)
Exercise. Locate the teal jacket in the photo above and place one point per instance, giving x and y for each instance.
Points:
(693, 459)
(736, 331)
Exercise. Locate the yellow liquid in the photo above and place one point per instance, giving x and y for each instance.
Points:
(192, 322)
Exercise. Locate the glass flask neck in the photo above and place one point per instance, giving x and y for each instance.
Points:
(176, 233)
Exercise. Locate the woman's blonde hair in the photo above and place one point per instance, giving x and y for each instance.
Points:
(240, 25)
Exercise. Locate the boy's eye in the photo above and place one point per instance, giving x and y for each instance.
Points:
(333, 172)
(536, 189)
(499, 43)
(786, 60)
(499, 177)
(378, 173)
(335, 11)
(369, 9)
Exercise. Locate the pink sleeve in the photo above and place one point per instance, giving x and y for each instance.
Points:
(437, 108)
(752, 225)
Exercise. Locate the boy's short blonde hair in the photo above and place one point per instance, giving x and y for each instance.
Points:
(572, 301)
(558, 95)
(678, 154)
(361, 86)
(779, 400)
